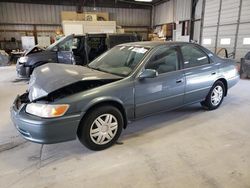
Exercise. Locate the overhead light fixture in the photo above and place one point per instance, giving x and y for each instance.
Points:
(148, 1)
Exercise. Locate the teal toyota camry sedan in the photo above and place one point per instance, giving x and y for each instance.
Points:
(130, 81)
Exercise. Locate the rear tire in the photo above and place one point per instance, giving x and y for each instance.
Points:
(215, 96)
(101, 128)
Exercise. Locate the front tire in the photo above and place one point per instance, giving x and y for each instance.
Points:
(101, 128)
(215, 96)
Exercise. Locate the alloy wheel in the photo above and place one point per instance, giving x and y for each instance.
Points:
(103, 129)
(217, 95)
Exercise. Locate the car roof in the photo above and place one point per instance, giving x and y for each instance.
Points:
(102, 34)
(152, 44)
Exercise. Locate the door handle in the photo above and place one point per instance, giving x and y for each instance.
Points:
(179, 81)
(213, 73)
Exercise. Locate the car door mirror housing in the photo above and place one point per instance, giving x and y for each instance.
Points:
(148, 73)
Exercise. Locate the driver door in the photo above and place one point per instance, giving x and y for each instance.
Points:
(164, 92)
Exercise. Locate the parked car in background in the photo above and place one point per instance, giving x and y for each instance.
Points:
(72, 49)
(4, 58)
(130, 81)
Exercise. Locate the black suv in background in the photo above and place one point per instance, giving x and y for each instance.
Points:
(71, 49)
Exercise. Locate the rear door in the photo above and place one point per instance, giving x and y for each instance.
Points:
(165, 91)
(79, 51)
(199, 71)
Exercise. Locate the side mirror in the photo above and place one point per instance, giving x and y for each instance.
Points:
(148, 73)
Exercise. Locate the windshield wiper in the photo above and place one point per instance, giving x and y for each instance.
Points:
(101, 70)
(94, 68)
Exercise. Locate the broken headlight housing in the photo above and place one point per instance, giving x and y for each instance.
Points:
(47, 110)
(23, 59)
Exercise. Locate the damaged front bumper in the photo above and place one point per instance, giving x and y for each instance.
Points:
(43, 130)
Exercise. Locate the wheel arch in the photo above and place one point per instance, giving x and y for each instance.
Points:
(224, 81)
(102, 102)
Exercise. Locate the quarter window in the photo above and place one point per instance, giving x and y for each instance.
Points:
(193, 56)
(164, 60)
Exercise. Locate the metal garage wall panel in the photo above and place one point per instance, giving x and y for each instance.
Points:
(211, 12)
(198, 9)
(16, 35)
(171, 11)
(16, 27)
(197, 27)
(164, 13)
(183, 10)
(50, 14)
(209, 33)
(242, 49)
(47, 28)
(228, 31)
(228, 24)
(229, 11)
(41, 30)
(125, 16)
(245, 11)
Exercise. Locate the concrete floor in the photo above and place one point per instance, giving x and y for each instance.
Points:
(189, 147)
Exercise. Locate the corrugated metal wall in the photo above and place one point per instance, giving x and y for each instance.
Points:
(244, 29)
(172, 11)
(183, 10)
(210, 22)
(20, 13)
(226, 24)
(164, 13)
(50, 14)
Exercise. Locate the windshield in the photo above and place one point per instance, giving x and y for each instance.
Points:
(50, 47)
(120, 60)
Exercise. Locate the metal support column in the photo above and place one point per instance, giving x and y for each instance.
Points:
(202, 20)
(217, 29)
(237, 30)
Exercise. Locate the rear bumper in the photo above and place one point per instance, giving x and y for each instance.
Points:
(44, 130)
(233, 81)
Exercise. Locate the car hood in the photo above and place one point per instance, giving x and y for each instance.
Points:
(34, 49)
(52, 76)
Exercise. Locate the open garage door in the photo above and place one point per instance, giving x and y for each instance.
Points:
(243, 42)
(226, 25)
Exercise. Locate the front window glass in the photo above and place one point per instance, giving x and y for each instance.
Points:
(164, 60)
(120, 60)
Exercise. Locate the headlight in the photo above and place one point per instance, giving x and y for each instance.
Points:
(23, 59)
(47, 110)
